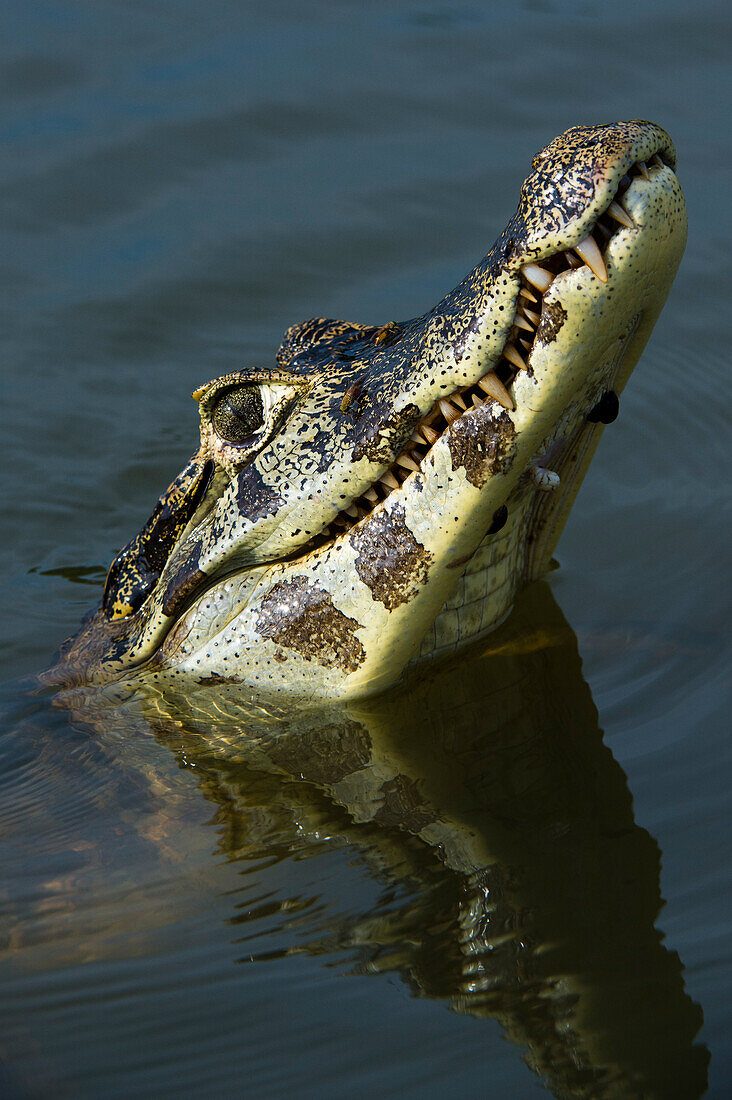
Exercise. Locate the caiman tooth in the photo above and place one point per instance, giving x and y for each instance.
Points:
(389, 480)
(521, 322)
(458, 400)
(492, 385)
(642, 168)
(656, 161)
(533, 317)
(573, 261)
(526, 293)
(450, 414)
(511, 353)
(352, 511)
(588, 251)
(545, 479)
(476, 401)
(371, 495)
(429, 433)
(407, 462)
(525, 345)
(537, 276)
(616, 211)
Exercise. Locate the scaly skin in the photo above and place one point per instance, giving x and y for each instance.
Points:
(249, 570)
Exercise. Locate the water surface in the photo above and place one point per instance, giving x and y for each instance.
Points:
(532, 888)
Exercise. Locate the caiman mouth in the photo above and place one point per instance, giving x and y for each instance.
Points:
(516, 356)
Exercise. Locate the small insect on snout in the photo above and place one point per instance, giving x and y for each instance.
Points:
(351, 396)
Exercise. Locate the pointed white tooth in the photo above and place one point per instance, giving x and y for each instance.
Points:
(537, 276)
(458, 400)
(418, 436)
(430, 434)
(521, 322)
(407, 462)
(352, 511)
(511, 353)
(372, 495)
(573, 261)
(525, 345)
(545, 479)
(492, 385)
(389, 480)
(656, 161)
(526, 293)
(476, 401)
(533, 317)
(448, 411)
(588, 251)
(642, 168)
(616, 211)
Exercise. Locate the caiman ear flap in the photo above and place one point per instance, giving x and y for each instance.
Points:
(308, 335)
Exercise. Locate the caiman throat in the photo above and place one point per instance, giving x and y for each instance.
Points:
(380, 493)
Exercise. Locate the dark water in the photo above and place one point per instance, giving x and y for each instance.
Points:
(517, 873)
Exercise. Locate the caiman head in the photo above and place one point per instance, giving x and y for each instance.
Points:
(380, 494)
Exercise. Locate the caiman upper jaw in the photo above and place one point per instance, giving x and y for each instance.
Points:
(530, 322)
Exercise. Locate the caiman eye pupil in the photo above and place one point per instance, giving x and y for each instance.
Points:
(238, 414)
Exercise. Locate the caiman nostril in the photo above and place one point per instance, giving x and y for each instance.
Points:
(606, 409)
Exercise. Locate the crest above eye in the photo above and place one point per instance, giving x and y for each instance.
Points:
(238, 413)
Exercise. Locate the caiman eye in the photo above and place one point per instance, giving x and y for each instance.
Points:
(238, 414)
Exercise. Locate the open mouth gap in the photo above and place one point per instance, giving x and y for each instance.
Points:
(495, 385)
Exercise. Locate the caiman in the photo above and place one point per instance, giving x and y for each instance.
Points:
(381, 493)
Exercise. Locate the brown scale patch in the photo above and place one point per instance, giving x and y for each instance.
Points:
(553, 316)
(386, 438)
(390, 560)
(255, 498)
(482, 443)
(298, 615)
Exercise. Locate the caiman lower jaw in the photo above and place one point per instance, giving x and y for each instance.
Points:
(529, 322)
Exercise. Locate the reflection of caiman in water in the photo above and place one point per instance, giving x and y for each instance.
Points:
(487, 790)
